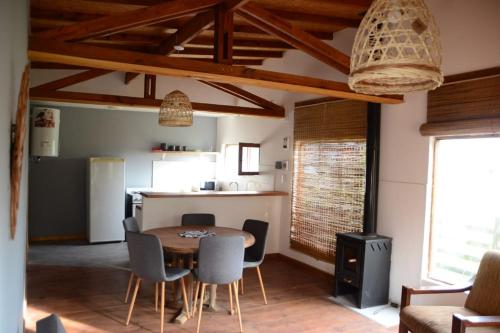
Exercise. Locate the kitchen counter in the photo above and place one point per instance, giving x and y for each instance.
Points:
(213, 194)
(231, 209)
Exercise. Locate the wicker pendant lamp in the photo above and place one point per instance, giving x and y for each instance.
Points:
(176, 110)
(396, 49)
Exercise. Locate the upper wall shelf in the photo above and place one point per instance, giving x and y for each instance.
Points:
(164, 154)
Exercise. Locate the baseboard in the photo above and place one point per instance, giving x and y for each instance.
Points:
(296, 262)
(57, 238)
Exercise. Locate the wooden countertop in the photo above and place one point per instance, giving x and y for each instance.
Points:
(214, 194)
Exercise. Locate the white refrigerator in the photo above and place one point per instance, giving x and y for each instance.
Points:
(106, 199)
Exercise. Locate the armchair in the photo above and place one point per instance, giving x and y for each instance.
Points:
(481, 312)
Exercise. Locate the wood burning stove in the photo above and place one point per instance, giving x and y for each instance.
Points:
(363, 260)
(362, 268)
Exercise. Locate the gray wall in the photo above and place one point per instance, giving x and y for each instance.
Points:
(13, 41)
(59, 183)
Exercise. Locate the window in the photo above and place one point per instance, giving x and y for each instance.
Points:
(465, 218)
(248, 159)
(329, 166)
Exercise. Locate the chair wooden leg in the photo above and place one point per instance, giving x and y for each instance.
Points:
(195, 301)
(231, 308)
(203, 285)
(236, 297)
(130, 280)
(261, 285)
(162, 304)
(402, 328)
(185, 299)
(132, 302)
(156, 297)
(242, 286)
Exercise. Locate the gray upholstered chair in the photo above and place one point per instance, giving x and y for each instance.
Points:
(50, 324)
(254, 255)
(480, 314)
(198, 219)
(220, 262)
(146, 261)
(130, 225)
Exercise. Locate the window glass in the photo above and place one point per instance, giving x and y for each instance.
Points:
(465, 218)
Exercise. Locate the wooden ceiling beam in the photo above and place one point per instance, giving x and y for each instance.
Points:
(50, 65)
(243, 44)
(241, 62)
(313, 19)
(73, 79)
(119, 60)
(190, 30)
(79, 10)
(39, 25)
(130, 76)
(295, 36)
(127, 20)
(151, 103)
(245, 95)
(223, 35)
(197, 42)
(186, 33)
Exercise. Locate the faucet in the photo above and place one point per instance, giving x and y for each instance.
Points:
(231, 184)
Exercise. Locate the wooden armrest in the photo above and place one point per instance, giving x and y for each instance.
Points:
(460, 322)
(408, 291)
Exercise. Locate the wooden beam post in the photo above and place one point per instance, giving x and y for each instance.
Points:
(295, 36)
(223, 35)
(150, 86)
(120, 60)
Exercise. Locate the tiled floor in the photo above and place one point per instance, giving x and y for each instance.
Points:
(89, 299)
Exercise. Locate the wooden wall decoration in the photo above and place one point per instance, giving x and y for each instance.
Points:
(17, 147)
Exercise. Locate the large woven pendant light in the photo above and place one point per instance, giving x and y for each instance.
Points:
(396, 49)
(176, 110)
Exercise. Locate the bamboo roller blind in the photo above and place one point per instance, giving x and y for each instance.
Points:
(464, 108)
(328, 176)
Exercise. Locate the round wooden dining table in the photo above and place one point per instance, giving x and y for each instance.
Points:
(173, 242)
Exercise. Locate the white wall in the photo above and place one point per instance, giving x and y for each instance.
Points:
(470, 41)
(13, 38)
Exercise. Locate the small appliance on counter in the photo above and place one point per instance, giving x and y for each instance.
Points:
(209, 185)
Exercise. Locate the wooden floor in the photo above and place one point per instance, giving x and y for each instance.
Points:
(90, 300)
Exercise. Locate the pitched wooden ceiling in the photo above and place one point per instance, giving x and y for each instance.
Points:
(219, 38)
(251, 45)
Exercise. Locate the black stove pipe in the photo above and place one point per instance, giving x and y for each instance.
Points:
(372, 169)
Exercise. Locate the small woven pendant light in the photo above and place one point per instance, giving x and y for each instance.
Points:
(176, 110)
(396, 49)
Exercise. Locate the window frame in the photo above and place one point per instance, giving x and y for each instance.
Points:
(242, 145)
(434, 163)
